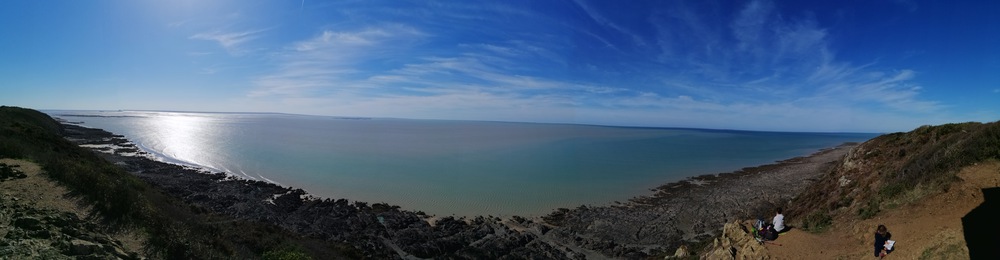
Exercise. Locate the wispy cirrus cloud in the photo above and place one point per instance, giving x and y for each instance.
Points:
(230, 41)
(757, 68)
(600, 19)
(332, 61)
(763, 56)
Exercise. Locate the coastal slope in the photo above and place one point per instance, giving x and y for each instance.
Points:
(898, 169)
(97, 203)
(893, 179)
(924, 185)
(927, 228)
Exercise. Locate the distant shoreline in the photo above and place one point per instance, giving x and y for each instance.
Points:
(70, 113)
(677, 213)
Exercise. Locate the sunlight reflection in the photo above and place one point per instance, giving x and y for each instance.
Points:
(182, 136)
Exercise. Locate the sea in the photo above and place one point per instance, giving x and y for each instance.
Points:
(446, 167)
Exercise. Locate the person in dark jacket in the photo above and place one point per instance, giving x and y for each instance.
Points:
(881, 236)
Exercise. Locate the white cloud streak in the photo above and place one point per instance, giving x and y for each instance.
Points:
(230, 41)
(777, 60)
(596, 16)
(760, 71)
(328, 62)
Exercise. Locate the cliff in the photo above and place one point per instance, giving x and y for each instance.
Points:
(896, 169)
(926, 186)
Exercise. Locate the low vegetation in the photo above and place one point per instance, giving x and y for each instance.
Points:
(817, 222)
(944, 251)
(896, 169)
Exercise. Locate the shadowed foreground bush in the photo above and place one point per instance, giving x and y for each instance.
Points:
(116, 195)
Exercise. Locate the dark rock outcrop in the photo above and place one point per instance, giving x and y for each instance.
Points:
(10, 173)
(27, 232)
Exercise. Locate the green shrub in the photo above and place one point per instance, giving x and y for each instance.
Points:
(869, 210)
(933, 155)
(817, 222)
(891, 190)
(10, 150)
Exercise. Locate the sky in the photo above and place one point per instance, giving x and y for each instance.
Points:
(819, 66)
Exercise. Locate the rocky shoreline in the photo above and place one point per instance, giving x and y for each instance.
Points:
(685, 212)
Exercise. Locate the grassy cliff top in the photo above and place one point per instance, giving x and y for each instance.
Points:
(896, 169)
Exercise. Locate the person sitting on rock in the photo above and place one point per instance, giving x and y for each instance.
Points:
(779, 221)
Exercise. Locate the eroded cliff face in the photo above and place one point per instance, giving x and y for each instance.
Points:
(944, 225)
(892, 179)
(896, 169)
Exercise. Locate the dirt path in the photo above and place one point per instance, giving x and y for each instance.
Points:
(930, 228)
(38, 191)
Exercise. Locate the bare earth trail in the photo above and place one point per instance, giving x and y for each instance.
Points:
(930, 227)
(39, 191)
(58, 223)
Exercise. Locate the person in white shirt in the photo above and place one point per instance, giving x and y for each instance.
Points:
(779, 221)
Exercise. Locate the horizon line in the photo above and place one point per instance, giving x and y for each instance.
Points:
(470, 120)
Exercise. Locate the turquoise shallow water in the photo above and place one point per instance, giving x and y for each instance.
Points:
(451, 167)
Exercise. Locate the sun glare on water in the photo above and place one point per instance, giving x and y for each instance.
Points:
(185, 134)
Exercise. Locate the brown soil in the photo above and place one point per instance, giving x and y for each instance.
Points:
(40, 192)
(928, 227)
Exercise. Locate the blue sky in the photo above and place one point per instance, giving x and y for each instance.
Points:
(874, 66)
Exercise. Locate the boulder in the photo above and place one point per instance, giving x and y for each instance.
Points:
(682, 252)
(61, 220)
(736, 243)
(28, 223)
(40, 234)
(82, 247)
